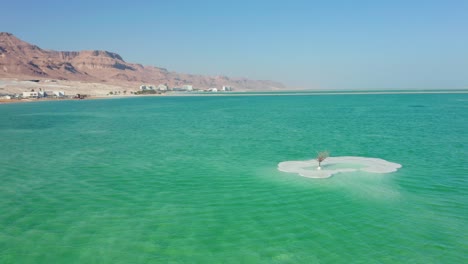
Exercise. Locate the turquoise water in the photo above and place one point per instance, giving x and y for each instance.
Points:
(194, 180)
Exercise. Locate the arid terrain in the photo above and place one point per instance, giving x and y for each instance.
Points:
(96, 72)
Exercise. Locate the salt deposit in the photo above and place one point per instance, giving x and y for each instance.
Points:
(334, 165)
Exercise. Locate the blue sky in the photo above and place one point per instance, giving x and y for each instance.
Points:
(333, 44)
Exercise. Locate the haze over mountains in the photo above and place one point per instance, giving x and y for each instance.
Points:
(21, 60)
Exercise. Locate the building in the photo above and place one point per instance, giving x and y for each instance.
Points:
(30, 95)
(213, 90)
(227, 88)
(162, 87)
(146, 87)
(59, 93)
(53, 94)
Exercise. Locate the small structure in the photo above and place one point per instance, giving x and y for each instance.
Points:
(214, 90)
(80, 96)
(5, 97)
(227, 88)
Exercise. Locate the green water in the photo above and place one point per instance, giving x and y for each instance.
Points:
(194, 180)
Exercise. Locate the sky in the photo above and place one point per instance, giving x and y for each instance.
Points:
(354, 44)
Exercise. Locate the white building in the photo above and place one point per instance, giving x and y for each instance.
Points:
(53, 94)
(227, 88)
(59, 93)
(7, 97)
(30, 95)
(213, 90)
(146, 87)
(162, 87)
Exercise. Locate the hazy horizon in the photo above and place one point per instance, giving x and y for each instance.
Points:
(336, 45)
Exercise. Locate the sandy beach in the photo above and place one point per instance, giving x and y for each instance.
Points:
(12, 86)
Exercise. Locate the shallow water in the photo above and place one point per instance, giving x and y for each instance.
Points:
(195, 180)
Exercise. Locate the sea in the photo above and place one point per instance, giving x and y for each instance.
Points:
(195, 179)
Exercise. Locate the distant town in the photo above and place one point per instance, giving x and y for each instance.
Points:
(144, 89)
(148, 89)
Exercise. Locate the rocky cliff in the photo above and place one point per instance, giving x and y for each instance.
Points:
(19, 59)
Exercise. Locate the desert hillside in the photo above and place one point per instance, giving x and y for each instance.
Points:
(21, 61)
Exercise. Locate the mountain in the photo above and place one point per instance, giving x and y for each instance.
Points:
(19, 59)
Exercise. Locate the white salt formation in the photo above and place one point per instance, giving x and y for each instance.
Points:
(335, 165)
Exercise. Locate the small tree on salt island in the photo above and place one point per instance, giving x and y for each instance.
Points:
(321, 156)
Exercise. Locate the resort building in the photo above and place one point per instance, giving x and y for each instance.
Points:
(162, 87)
(185, 88)
(53, 94)
(227, 88)
(146, 87)
(30, 94)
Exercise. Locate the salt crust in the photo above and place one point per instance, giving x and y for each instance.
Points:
(347, 164)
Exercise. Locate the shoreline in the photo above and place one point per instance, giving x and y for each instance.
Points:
(222, 94)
